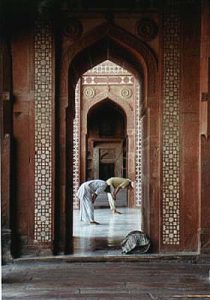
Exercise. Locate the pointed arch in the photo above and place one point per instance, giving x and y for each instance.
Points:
(123, 106)
(109, 41)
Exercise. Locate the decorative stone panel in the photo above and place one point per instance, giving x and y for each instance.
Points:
(138, 151)
(107, 68)
(72, 29)
(89, 92)
(43, 87)
(126, 92)
(147, 29)
(76, 146)
(114, 79)
(171, 136)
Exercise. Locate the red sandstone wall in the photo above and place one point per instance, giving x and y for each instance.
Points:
(205, 130)
(23, 124)
(22, 62)
(189, 109)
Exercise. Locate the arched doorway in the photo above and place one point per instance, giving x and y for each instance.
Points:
(142, 64)
(105, 130)
(106, 144)
(109, 95)
(106, 112)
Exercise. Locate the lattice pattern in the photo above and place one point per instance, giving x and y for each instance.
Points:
(171, 138)
(107, 67)
(76, 146)
(103, 79)
(138, 131)
(43, 145)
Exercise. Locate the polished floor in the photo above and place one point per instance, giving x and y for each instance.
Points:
(105, 238)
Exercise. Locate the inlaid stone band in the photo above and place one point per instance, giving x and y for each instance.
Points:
(171, 135)
(43, 86)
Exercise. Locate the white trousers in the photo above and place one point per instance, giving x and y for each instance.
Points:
(86, 206)
(111, 201)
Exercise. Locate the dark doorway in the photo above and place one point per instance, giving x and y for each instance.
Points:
(106, 170)
(106, 133)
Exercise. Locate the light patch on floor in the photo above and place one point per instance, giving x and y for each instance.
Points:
(104, 239)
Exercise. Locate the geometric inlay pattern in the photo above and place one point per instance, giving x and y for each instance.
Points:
(76, 146)
(126, 92)
(89, 92)
(107, 67)
(171, 136)
(138, 151)
(43, 117)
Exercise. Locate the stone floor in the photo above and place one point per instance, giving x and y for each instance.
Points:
(97, 270)
(105, 280)
(105, 238)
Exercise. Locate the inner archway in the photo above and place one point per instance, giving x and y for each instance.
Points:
(106, 151)
(106, 127)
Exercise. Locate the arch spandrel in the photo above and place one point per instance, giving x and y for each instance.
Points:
(109, 41)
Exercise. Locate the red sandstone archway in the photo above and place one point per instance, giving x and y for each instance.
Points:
(107, 42)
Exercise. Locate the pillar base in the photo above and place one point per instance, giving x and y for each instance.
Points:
(205, 240)
(6, 246)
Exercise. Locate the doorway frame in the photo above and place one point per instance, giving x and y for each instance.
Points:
(142, 62)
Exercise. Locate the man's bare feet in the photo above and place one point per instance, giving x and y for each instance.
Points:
(116, 212)
(94, 223)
